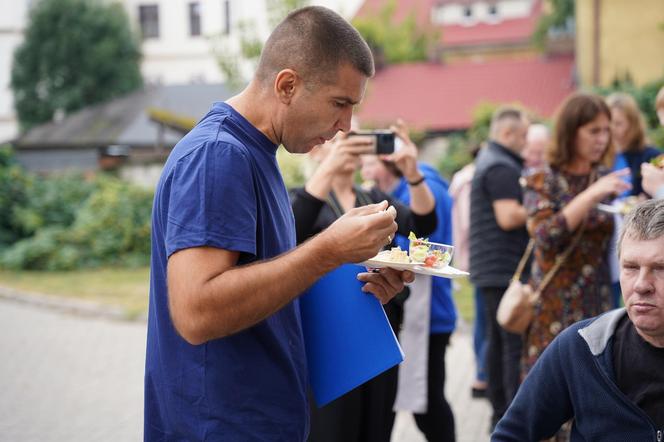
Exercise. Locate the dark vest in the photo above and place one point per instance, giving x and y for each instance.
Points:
(494, 252)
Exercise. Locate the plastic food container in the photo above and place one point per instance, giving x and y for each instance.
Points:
(430, 254)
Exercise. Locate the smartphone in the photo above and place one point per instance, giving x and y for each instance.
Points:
(384, 139)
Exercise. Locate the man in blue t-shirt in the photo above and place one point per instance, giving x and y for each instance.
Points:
(225, 355)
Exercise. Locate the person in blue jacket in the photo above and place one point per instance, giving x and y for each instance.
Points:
(628, 134)
(437, 420)
(605, 373)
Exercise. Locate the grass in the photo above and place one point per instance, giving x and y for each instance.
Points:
(124, 288)
(463, 298)
(129, 288)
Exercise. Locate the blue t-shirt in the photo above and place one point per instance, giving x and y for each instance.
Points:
(221, 187)
(633, 160)
(443, 312)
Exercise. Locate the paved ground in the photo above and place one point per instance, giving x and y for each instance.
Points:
(65, 377)
(472, 416)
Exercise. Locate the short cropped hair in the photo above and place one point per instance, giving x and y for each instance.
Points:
(659, 100)
(503, 115)
(645, 222)
(577, 110)
(636, 132)
(314, 41)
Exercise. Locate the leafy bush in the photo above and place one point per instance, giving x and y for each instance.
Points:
(293, 168)
(114, 224)
(68, 222)
(13, 194)
(52, 201)
(457, 156)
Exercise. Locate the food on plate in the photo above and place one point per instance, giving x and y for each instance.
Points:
(658, 161)
(394, 255)
(429, 254)
(421, 251)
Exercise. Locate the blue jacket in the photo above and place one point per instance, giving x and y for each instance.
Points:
(443, 312)
(574, 377)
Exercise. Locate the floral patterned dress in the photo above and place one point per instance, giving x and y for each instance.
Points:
(582, 286)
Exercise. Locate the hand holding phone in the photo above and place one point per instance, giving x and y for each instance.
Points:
(384, 140)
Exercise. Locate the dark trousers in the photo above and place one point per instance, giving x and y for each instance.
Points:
(364, 414)
(503, 356)
(438, 422)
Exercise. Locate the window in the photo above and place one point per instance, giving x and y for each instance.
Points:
(194, 19)
(227, 17)
(493, 10)
(467, 11)
(148, 16)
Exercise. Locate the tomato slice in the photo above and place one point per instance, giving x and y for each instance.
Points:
(430, 261)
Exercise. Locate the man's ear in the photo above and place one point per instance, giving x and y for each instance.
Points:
(284, 85)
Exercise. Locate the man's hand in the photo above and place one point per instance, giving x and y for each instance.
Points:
(653, 178)
(386, 283)
(359, 234)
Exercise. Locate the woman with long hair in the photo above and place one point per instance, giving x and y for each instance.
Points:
(561, 201)
(629, 137)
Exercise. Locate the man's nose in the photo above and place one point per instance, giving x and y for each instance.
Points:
(644, 284)
(343, 124)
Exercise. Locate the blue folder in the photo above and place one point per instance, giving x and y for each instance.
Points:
(347, 335)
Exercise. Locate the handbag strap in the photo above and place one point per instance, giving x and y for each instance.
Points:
(560, 258)
(524, 260)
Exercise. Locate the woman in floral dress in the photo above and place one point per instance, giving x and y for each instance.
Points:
(560, 199)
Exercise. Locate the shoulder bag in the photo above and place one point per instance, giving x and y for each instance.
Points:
(517, 306)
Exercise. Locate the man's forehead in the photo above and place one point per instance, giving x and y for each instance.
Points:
(347, 84)
(635, 249)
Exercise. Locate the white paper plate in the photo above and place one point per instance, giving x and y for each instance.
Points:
(445, 272)
(375, 263)
(609, 208)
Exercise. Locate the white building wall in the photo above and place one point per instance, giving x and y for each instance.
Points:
(176, 57)
(454, 13)
(12, 24)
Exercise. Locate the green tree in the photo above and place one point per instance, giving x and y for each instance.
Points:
(561, 12)
(645, 97)
(394, 42)
(231, 58)
(75, 53)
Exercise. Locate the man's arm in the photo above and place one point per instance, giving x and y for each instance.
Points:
(510, 214)
(501, 184)
(211, 297)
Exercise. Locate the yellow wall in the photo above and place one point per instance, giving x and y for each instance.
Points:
(631, 40)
